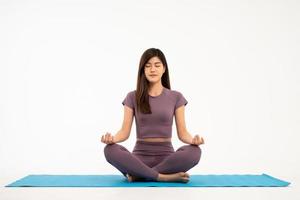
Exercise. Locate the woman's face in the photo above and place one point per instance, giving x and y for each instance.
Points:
(154, 70)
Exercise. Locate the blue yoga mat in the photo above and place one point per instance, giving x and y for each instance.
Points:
(247, 180)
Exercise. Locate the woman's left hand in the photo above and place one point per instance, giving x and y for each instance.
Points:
(197, 140)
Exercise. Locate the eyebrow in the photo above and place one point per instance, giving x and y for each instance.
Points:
(154, 63)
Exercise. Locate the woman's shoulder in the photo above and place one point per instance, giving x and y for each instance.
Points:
(131, 92)
(174, 92)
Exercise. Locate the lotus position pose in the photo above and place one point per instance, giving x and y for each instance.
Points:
(153, 104)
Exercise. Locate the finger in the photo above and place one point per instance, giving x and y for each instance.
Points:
(102, 138)
(106, 138)
(200, 140)
(110, 139)
(197, 139)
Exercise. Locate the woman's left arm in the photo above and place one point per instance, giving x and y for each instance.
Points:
(182, 132)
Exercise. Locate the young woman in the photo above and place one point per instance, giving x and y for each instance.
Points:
(153, 104)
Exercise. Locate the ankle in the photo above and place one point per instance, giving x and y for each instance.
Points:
(160, 177)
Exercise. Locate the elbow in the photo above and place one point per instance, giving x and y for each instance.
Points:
(126, 138)
(181, 139)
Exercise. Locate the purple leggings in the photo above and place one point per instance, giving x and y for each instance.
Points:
(148, 159)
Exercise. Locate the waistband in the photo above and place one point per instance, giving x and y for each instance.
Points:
(153, 143)
(153, 148)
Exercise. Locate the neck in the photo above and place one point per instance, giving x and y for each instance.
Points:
(155, 88)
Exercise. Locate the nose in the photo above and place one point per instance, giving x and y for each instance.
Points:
(152, 68)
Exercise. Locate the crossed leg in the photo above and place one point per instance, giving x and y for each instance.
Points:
(185, 158)
(127, 163)
(182, 160)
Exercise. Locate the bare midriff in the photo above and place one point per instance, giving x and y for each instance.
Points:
(154, 139)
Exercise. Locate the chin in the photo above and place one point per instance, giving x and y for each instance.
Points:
(152, 81)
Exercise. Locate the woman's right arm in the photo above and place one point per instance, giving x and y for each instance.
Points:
(124, 132)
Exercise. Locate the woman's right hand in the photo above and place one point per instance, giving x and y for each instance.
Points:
(108, 138)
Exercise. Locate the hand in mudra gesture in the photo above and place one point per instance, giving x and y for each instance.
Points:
(108, 138)
(197, 140)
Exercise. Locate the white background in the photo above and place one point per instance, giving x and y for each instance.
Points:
(66, 66)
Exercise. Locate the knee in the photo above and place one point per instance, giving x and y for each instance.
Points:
(110, 151)
(194, 152)
(197, 152)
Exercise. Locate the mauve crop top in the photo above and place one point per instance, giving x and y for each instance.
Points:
(163, 106)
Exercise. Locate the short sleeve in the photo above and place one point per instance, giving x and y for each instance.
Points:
(180, 101)
(129, 101)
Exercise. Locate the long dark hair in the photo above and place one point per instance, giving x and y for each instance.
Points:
(142, 97)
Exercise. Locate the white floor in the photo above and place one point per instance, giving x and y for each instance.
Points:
(292, 192)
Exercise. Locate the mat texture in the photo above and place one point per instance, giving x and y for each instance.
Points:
(229, 180)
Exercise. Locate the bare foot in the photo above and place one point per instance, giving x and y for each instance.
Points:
(176, 177)
(133, 178)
